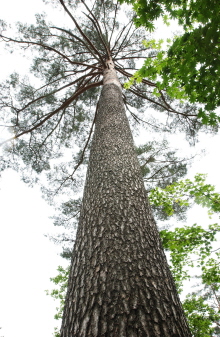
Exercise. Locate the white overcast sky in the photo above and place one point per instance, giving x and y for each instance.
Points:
(27, 258)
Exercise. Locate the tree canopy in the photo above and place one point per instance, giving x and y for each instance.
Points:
(47, 116)
(191, 64)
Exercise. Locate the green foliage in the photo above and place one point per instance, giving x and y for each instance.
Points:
(211, 272)
(200, 316)
(186, 12)
(193, 63)
(59, 293)
(190, 68)
(181, 192)
(191, 246)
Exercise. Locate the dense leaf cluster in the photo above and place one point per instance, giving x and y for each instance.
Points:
(191, 248)
(191, 66)
(182, 191)
(185, 242)
(201, 316)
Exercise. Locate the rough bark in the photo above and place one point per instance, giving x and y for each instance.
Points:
(120, 283)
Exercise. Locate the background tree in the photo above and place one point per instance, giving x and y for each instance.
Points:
(191, 64)
(191, 248)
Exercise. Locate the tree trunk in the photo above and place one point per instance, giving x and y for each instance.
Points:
(120, 284)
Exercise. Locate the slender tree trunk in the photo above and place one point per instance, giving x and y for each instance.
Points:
(120, 284)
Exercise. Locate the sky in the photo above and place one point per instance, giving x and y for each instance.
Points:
(27, 258)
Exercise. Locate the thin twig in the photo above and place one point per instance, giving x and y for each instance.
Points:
(82, 154)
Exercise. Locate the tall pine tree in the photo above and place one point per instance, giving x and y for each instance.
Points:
(120, 283)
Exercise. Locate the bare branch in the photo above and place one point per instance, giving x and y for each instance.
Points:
(104, 23)
(153, 175)
(125, 37)
(51, 49)
(59, 89)
(98, 28)
(63, 106)
(166, 107)
(116, 8)
(81, 32)
(147, 98)
(171, 109)
(119, 35)
(50, 133)
(79, 39)
(82, 154)
(52, 82)
(139, 119)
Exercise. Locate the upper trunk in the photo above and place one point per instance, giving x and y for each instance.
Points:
(109, 74)
(119, 284)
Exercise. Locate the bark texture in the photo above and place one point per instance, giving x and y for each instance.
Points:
(120, 284)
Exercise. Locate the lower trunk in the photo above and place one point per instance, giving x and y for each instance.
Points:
(120, 284)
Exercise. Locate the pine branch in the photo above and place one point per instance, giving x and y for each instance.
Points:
(78, 39)
(50, 49)
(82, 154)
(57, 90)
(125, 37)
(98, 28)
(63, 106)
(81, 32)
(116, 8)
(119, 36)
(55, 127)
